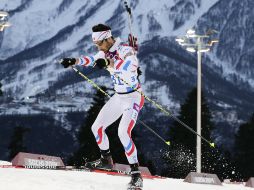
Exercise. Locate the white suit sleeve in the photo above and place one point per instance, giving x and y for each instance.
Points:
(89, 60)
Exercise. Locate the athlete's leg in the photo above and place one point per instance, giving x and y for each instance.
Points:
(132, 107)
(110, 112)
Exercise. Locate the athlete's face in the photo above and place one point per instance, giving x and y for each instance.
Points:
(104, 45)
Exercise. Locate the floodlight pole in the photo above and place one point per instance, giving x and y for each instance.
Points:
(199, 73)
(199, 46)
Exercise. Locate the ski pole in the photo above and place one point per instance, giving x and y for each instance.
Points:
(166, 111)
(106, 94)
(149, 128)
(90, 81)
(128, 9)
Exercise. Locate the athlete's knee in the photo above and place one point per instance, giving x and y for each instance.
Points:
(95, 128)
(122, 134)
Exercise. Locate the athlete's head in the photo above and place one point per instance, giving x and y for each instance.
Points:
(102, 37)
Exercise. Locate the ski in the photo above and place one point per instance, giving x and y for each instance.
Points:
(134, 188)
(112, 171)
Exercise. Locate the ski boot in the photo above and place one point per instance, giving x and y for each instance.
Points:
(136, 182)
(105, 162)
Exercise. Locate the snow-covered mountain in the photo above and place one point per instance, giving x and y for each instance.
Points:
(43, 32)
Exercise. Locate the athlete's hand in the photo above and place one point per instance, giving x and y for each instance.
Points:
(66, 62)
(133, 42)
(102, 63)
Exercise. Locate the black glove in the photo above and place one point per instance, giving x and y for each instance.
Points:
(102, 63)
(66, 62)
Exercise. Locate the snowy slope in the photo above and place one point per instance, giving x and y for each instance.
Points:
(25, 179)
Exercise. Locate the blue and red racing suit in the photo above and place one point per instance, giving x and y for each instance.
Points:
(126, 102)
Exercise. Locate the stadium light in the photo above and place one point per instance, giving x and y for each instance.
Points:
(3, 20)
(197, 43)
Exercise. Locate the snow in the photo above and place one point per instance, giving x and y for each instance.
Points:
(36, 179)
(46, 23)
(205, 6)
(228, 70)
(5, 163)
(160, 10)
(45, 20)
(8, 5)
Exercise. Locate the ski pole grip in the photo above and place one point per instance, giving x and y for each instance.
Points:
(128, 9)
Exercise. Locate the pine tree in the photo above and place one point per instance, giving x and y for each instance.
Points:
(244, 145)
(17, 141)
